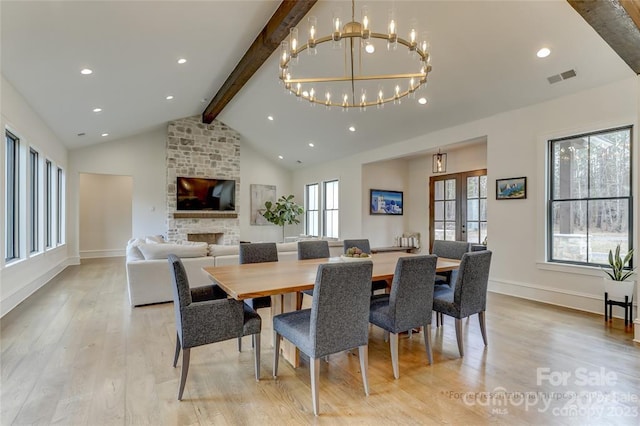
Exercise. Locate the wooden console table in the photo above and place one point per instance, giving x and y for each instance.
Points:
(392, 249)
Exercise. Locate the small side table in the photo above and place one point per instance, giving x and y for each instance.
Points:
(627, 305)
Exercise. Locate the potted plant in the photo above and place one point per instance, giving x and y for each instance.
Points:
(284, 212)
(616, 283)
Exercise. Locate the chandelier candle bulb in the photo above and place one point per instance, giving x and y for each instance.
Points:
(293, 40)
(412, 40)
(313, 25)
(284, 58)
(365, 23)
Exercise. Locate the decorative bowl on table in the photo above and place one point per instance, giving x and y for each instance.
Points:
(355, 254)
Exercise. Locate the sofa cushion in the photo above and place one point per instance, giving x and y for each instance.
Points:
(161, 251)
(154, 239)
(223, 250)
(134, 253)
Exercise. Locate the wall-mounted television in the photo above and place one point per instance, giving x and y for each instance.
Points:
(386, 202)
(206, 194)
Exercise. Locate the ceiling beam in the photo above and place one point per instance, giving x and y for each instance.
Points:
(618, 23)
(287, 16)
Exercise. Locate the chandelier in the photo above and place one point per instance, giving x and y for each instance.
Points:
(354, 88)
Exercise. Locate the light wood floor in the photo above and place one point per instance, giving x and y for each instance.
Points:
(75, 353)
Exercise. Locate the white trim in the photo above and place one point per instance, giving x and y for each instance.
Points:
(571, 269)
(550, 295)
(27, 290)
(93, 254)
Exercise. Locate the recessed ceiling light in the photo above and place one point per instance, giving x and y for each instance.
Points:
(422, 101)
(369, 48)
(352, 129)
(86, 71)
(270, 118)
(169, 97)
(105, 134)
(182, 61)
(311, 144)
(281, 157)
(97, 110)
(543, 53)
(305, 94)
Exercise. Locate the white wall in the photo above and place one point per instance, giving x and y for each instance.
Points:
(516, 146)
(105, 214)
(256, 169)
(143, 158)
(20, 278)
(390, 175)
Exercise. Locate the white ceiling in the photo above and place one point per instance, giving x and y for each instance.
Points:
(483, 58)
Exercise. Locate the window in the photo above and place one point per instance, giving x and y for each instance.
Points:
(325, 202)
(330, 209)
(311, 199)
(589, 209)
(34, 195)
(458, 207)
(59, 204)
(48, 203)
(12, 201)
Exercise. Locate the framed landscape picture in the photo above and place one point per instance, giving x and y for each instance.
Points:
(511, 189)
(386, 202)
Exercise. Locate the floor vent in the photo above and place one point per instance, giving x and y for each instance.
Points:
(562, 76)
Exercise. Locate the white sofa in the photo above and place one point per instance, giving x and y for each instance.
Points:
(148, 279)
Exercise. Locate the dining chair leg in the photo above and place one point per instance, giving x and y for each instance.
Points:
(186, 354)
(483, 328)
(175, 358)
(386, 336)
(256, 354)
(437, 319)
(276, 353)
(299, 299)
(364, 366)
(427, 342)
(239, 344)
(459, 336)
(441, 319)
(315, 378)
(393, 346)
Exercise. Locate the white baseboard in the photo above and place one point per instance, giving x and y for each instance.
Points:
(19, 296)
(551, 295)
(92, 254)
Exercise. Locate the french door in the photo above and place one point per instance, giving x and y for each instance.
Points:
(458, 207)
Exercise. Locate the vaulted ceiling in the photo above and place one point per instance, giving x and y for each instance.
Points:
(483, 56)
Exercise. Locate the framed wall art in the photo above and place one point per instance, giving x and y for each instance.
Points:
(511, 189)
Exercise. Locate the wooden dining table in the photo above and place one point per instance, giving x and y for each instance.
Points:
(282, 280)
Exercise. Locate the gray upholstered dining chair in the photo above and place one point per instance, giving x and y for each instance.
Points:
(337, 321)
(202, 318)
(258, 253)
(363, 244)
(450, 250)
(468, 296)
(404, 308)
(312, 249)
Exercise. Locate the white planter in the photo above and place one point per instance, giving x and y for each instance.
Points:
(617, 290)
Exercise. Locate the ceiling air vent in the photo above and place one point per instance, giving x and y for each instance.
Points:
(562, 76)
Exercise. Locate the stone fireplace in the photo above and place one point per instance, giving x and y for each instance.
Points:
(207, 237)
(195, 149)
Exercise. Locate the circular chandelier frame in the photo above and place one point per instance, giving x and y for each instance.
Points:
(352, 31)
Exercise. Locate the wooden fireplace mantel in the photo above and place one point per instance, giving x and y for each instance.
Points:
(204, 215)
